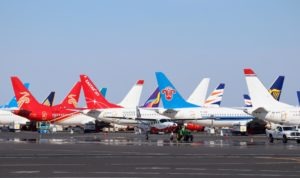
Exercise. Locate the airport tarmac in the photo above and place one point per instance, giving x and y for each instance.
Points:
(29, 154)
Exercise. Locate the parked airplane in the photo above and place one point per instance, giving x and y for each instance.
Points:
(60, 114)
(265, 106)
(7, 117)
(275, 91)
(176, 107)
(103, 110)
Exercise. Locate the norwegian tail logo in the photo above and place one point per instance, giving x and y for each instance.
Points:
(153, 100)
(215, 97)
(24, 97)
(93, 98)
(71, 99)
(170, 97)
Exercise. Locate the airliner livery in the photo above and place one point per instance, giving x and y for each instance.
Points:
(61, 114)
(103, 110)
(265, 106)
(13, 104)
(154, 100)
(275, 90)
(176, 107)
(215, 98)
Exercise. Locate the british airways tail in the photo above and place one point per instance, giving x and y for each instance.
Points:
(25, 99)
(276, 88)
(199, 94)
(154, 100)
(49, 100)
(259, 94)
(215, 98)
(170, 97)
(93, 98)
(247, 100)
(13, 102)
(132, 98)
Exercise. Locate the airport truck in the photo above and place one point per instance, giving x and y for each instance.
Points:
(283, 133)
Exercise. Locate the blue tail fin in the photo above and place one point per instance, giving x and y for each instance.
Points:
(170, 97)
(216, 96)
(13, 102)
(298, 95)
(276, 88)
(153, 100)
(247, 100)
(103, 91)
(49, 100)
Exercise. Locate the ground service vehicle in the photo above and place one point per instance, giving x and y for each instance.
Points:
(283, 133)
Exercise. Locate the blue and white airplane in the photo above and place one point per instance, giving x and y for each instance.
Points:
(176, 107)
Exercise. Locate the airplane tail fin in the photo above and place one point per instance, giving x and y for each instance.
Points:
(103, 92)
(215, 97)
(71, 100)
(93, 98)
(49, 100)
(153, 100)
(24, 97)
(13, 102)
(199, 94)
(170, 97)
(276, 88)
(298, 95)
(259, 94)
(247, 101)
(132, 98)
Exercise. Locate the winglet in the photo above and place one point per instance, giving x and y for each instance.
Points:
(249, 72)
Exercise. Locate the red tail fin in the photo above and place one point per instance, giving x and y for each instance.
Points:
(24, 97)
(72, 98)
(93, 98)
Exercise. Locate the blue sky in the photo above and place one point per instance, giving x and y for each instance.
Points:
(49, 43)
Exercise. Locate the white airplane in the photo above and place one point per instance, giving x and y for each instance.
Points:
(264, 106)
(177, 108)
(128, 114)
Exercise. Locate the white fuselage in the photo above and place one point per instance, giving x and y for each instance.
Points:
(211, 116)
(77, 119)
(7, 117)
(284, 116)
(125, 116)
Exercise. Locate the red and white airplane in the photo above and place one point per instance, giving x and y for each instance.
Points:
(103, 110)
(61, 114)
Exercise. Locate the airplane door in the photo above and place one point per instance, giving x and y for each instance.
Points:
(283, 116)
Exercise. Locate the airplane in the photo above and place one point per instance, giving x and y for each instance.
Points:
(176, 107)
(275, 91)
(6, 118)
(61, 114)
(265, 107)
(101, 109)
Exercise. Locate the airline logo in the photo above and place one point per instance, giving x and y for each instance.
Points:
(168, 92)
(72, 100)
(91, 86)
(275, 93)
(23, 99)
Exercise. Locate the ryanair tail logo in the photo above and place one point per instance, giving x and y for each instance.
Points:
(72, 100)
(168, 92)
(275, 93)
(23, 99)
